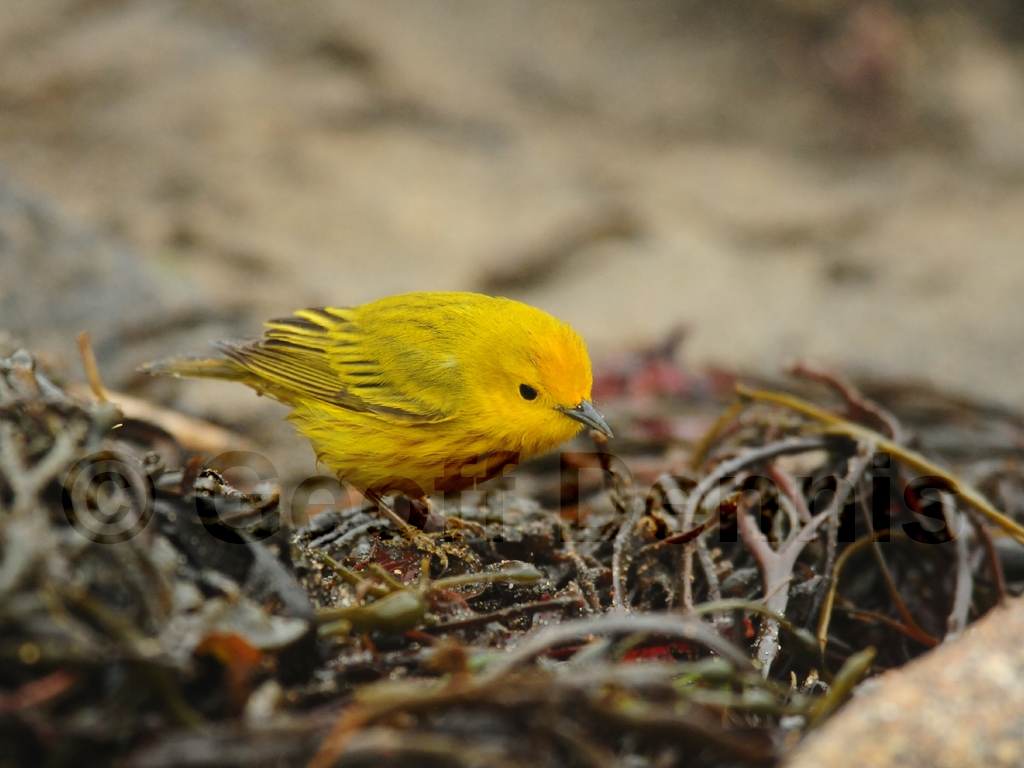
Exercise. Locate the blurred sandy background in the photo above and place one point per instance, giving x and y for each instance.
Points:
(836, 179)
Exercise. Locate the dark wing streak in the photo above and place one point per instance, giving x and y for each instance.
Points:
(294, 324)
(301, 371)
(317, 354)
(296, 370)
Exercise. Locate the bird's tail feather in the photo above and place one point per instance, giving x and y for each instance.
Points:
(196, 368)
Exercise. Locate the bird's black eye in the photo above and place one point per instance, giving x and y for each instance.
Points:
(528, 392)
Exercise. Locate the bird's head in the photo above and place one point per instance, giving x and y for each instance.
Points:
(539, 382)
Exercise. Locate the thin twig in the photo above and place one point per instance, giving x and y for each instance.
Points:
(347, 725)
(890, 584)
(807, 642)
(911, 458)
(724, 470)
(27, 483)
(964, 589)
(734, 465)
(826, 612)
(995, 564)
(787, 485)
(878, 618)
(777, 567)
(859, 404)
(92, 370)
(851, 673)
(702, 448)
(585, 581)
(831, 544)
(686, 576)
(830, 599)
(708, 564)
(504, 614)
(663, 624)
(621, 490)
(662, 487)
(583, 577)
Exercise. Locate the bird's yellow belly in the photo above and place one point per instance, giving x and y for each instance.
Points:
(416, 459)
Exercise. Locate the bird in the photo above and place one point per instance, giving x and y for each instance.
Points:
(417, 393)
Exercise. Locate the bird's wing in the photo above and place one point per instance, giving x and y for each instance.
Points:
(392, 369)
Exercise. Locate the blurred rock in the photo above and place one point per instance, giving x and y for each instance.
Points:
(59, 276)
(961, 705)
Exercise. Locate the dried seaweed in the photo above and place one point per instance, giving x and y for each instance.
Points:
(111, 629)
(568, 626)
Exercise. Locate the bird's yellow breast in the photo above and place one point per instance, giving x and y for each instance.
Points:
(419, 459)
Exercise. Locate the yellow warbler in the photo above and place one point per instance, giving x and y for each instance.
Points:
(418, 393)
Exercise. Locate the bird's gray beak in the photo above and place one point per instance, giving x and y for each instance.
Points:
(586, 413)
